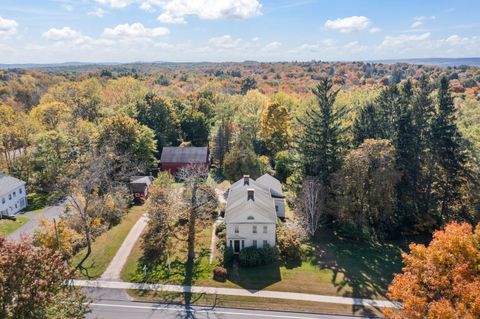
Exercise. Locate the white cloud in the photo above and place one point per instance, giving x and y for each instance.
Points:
(99, 12)
(116, 3)
(347, 25)
(63, 34)
(175, 11)
(404, 41)
(355, 47)
(8, 27)
(416, 24)
(67, 7)
(225, 42)
(272, 46)
(375, 30)
(135, 30)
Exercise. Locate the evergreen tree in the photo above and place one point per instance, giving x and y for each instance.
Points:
(388, 112)
(320, 143)
(448, 152)
(366, 125)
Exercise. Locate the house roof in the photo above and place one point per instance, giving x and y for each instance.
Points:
(238, 202)
(187, 155)
(9, 183)
(272, 183)
(147, 180)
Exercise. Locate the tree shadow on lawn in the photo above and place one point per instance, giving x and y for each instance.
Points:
(366, 268)
(254, 278)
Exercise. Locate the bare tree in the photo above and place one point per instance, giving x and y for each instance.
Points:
(311, 205)
(202, 200)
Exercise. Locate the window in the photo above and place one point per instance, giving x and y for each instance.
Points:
(254, 229)
(265, 243)
(14, 194)
(265, 229)
(9, 196)
(230, 244)
(236, 229)
(20, 191)
(250, 218)
(3, 200)
(243, 244)
(254, 244)
(276, 208)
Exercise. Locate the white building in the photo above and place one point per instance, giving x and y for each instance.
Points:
(13, 195)
(251, 213)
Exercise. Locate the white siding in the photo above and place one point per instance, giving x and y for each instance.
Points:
(280, 207)
(246, 234)
(13, 201)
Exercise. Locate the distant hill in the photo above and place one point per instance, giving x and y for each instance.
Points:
(51, 65)
(445, 62)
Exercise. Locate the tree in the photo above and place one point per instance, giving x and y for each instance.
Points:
(33, 284)
(366, 125)
(275, 127)
(442, 279)
(159, 115)
(195, 126)
(241, 160)
(50, 115)
(130, 140)
(448, 151)
(200, 202)
(366, 186)
(320, 144)
(248, 83)
(284, 165)
(57, 236)
(311, 205)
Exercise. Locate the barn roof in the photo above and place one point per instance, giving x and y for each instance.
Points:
(9, 183)
(186, 155)
(272, 183)
(147, 180)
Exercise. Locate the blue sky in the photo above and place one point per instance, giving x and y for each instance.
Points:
(45, 31)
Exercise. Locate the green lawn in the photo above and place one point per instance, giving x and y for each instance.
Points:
(9, 226)
(106, 246)
(180, 272)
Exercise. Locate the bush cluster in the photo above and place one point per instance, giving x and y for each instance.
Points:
(220, 274)
(251, 256)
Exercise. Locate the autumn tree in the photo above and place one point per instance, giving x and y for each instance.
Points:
(366, 186)
(33, 284)
(311, 205)
(440, 280)
(275, 127)
(241, 160)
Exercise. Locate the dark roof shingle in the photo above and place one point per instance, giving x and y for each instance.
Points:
(187, 155)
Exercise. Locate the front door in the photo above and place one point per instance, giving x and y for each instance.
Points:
(236, 246)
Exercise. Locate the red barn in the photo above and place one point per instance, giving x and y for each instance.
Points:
(139, 185)
(174, 158)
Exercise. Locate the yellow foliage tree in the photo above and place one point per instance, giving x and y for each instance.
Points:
(68, 239)
(275, 127)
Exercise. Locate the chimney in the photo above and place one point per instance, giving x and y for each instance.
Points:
(251, 194)
(246, 180)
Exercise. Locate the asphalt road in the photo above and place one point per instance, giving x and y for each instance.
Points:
(29, 228)
(141, 310)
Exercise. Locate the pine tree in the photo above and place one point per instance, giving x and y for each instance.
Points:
(366, 125)
(448, 152)
(388, 112)
(320, 143)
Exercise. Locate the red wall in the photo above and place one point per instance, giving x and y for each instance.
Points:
(173, 167)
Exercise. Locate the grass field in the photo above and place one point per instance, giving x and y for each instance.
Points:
(9, 226)
(212, 301)
(180, 272)
(106, 246)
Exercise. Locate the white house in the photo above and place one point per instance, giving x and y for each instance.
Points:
(250, 214)
(13, 195)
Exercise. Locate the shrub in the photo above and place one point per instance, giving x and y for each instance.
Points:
(220, 274)
(289, 244)
(227, 256)
(220, 228)
(251, 256)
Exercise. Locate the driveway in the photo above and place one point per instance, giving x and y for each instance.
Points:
(29, 228)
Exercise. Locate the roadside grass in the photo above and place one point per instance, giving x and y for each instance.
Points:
(180, 271)
(9, 226)
(212, 301)
(106, 246)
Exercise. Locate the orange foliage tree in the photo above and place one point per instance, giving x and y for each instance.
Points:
(441, 280)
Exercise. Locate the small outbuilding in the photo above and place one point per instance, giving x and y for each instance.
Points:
(175, 158)
(139, 185)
